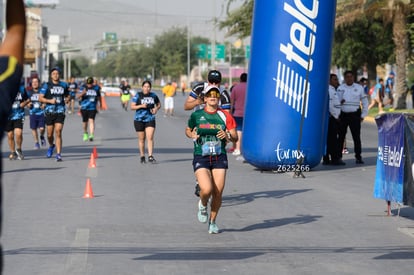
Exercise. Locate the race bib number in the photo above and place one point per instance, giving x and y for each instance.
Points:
(211, 148)
(91, 99)
(36, 105)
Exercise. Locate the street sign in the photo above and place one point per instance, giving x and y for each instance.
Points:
(204, 51)
(201, 51)
(220, 51)
(247, 52)
(110, 36)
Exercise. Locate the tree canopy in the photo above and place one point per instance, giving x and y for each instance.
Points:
(365, 42)
(165, 57)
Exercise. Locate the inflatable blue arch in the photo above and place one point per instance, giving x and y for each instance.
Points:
(287, 91)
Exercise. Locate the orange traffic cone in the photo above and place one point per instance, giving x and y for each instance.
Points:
(103, 101)
(95, 152)
(92, 163)
(88, 194)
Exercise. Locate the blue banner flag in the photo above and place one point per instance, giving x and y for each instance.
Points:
(408, 195)
(389, 179)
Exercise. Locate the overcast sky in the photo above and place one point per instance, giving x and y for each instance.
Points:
(84, 21)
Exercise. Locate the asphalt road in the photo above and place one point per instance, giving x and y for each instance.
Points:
(143, 217)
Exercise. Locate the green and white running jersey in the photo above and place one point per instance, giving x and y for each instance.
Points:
(208, 125)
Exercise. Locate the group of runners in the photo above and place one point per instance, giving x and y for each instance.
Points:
(210, 126)
(47, 105)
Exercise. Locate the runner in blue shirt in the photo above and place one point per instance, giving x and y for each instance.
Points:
(73, 90)
(90, 95)
(146, 105)
(36, 114)
(389, 88)
(55, 94)
(14, 127)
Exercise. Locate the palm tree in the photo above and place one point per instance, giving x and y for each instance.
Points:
(396, 12)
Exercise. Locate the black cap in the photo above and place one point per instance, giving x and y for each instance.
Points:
(89, 80)
(214, 76)
(55, 69)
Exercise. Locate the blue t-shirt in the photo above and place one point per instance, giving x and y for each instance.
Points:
(388, 84)
(91, 98)
(72, 89)
(151, 99)
(377, 90)
(59, 92)
(36, 107)
(17, 112)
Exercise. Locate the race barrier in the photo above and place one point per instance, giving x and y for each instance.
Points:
(394, 180)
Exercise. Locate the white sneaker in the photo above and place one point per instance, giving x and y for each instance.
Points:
(236, 152)
(202, 213)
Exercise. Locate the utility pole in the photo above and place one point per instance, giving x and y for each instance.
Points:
(3, 19)
(213, 45)
(188, 54)
(230, 74)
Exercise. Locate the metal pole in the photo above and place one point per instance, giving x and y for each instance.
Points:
(188, 54)
(65, 65)
(69, 66)
(230, 73)
(213, 45)
(300, 160)
(3, 19)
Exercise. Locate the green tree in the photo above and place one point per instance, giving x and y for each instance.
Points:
(166, 57)
(395, 11)
(81, 66)
(238, 21)
(126, 61)
(170, 51)
(106, 67)
(365, 42)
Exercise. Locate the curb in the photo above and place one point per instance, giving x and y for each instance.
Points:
(369, 119)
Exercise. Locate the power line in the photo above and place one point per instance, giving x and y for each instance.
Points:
(132, 13)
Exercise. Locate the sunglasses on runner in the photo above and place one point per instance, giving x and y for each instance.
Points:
(213, 94)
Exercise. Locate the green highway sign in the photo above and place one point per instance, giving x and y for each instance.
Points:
(201, 51)
(204, 51)
(247, 52)
(110, 36)
(220, 51)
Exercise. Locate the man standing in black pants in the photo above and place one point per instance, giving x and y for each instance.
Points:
(354, 108)
(333, 146)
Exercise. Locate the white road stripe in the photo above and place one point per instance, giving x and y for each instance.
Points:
(77, 259)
